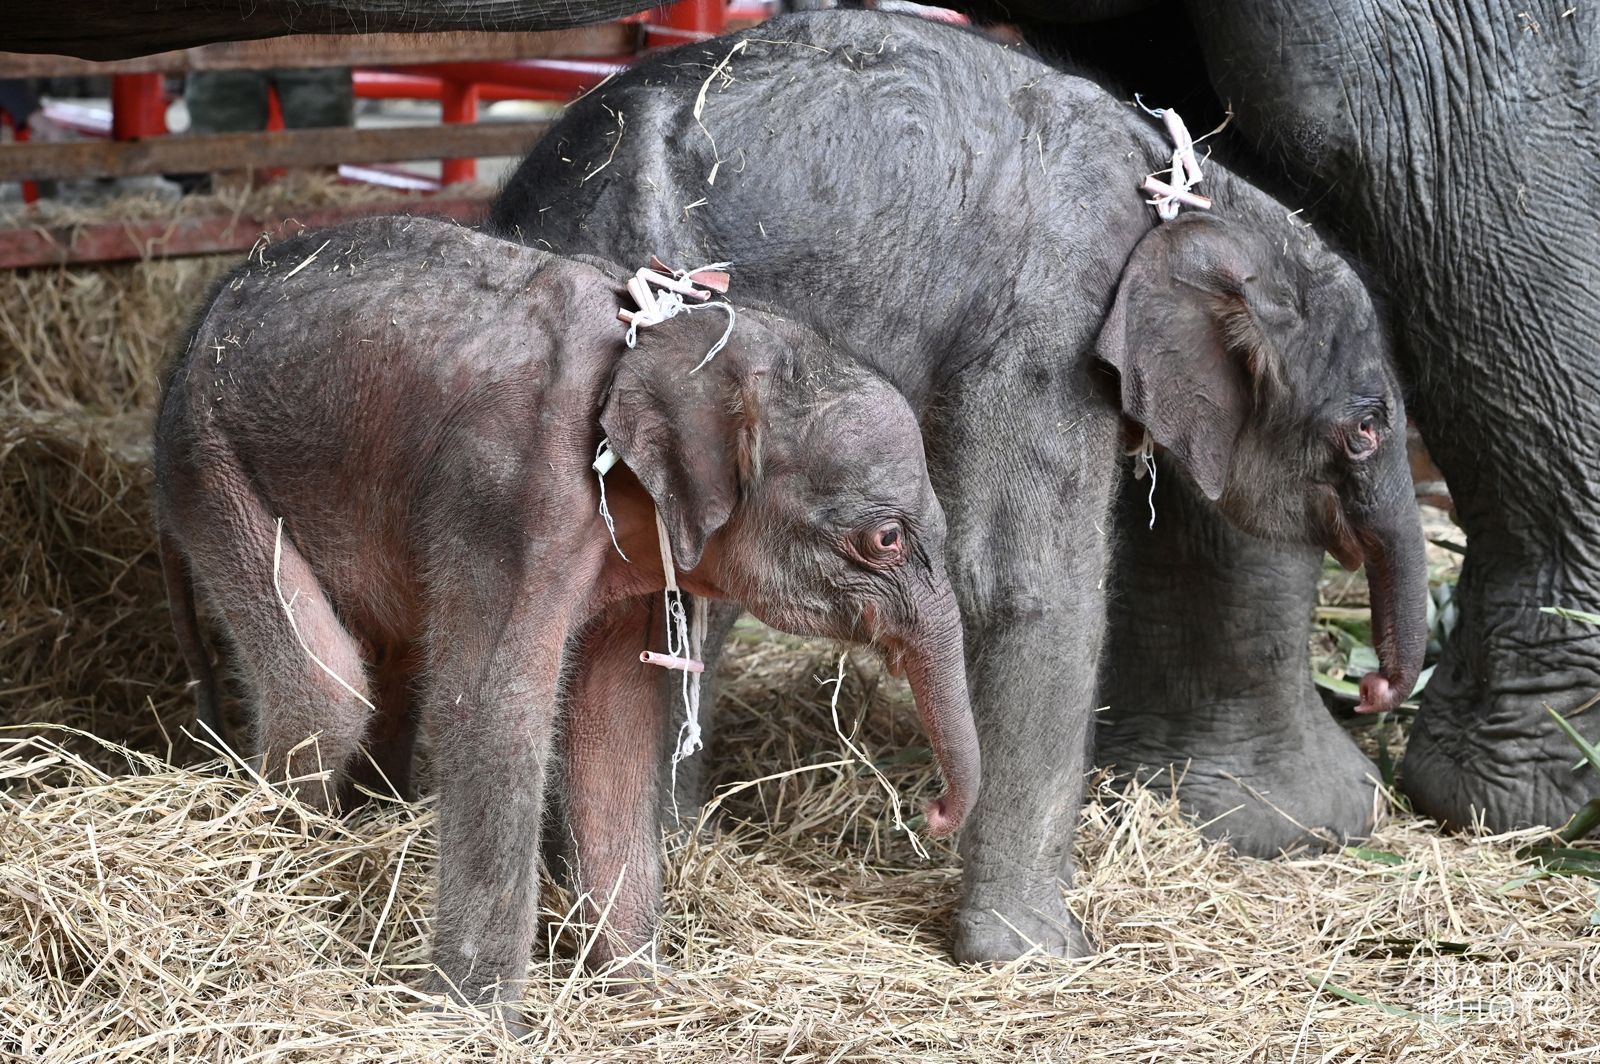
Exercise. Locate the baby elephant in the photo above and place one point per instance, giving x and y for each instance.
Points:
(373, 456)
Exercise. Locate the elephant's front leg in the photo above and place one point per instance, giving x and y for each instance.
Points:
(614, 742)
(1028, 549)
(489, 710)
(1208, 681)
(1483, 747)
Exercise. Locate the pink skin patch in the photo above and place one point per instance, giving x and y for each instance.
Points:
(941, 821)
(1377, 696)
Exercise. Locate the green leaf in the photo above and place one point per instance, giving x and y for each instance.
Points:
(1590, 754)
(1363, 659)
(1565, 853)
(1422, 682)
(1336, 685)
(1519, 882)
(1391, 1010)
(1583, 822)
(1354, 633)
(1571, 615)
(1563, 861)
(1383, 857)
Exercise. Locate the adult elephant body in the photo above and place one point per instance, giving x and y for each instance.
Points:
(962, 215)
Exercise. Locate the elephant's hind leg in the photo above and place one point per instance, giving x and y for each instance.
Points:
(384, 764)
(307, 680)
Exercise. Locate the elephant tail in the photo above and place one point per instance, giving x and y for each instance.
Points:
(186, 626)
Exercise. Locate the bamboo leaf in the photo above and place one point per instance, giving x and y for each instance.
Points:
(1571, 615)
(1392, 1010)
(1590, 754)
(1336, 685)
(1383, 857)
(1583, 822)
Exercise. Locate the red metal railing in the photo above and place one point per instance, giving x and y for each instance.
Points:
(139, 101)
(460, 87)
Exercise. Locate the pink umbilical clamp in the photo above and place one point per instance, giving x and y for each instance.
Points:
(668, 661)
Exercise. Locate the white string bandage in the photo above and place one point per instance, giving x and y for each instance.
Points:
(1170, 195)
(660, 296)
(660, 293)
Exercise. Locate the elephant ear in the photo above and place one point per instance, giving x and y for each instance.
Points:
(1188, 334)
(692, 439)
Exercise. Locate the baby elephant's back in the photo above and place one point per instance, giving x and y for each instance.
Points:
(334, 368)
(342, 340)
(403, 293)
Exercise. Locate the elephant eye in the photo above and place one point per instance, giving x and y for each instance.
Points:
(880, 546)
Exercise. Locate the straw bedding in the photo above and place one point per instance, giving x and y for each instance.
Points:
(157, 903)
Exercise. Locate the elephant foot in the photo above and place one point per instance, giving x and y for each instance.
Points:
(1484, 747)
(638, 980)
(996, 934)
(1208, 683)
(506, 1014)
(1265, 778)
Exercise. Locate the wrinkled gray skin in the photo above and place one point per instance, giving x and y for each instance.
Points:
(1438, 140)
(969, 220)
(419, 407)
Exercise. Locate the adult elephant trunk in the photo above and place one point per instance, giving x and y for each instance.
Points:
(934, 664)
(1390, 534)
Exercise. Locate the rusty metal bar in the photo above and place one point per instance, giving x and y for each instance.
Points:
(316, 50)
(560, 78)
(115, 242)
(239, 151)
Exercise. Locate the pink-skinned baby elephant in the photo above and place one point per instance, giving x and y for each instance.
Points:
(373, 459)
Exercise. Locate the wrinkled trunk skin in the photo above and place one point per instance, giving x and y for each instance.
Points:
(1208, 685)
(937, 672)
(1397, 583)
(1452, 183)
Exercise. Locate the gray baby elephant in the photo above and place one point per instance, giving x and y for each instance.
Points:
(373, 457)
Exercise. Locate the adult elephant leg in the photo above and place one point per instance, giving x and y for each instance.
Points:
(1385, 113)
(1483, 745)
(1208, 681)
(1028, 515)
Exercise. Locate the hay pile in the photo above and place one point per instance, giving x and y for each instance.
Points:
(94, 337)
(154, 908)
(84, 634)
(159, 913)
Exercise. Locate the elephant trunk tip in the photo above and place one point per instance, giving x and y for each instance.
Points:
(1383, 694)
(944, 816)
(1377, 694)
